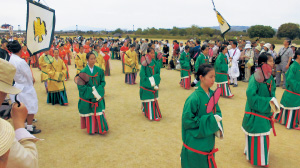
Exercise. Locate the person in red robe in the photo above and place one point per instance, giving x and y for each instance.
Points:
(123, 50)
(64, 57)
(25, 54)
(105, 52)
(87, 47)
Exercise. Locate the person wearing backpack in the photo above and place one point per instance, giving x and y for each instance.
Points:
(282, 62)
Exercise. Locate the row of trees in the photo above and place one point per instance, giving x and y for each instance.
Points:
(290, 30)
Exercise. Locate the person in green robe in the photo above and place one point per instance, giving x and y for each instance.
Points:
(200, 128)
(203, 58)
(185, 72)
(290, 102)
(221, 67)
(91, 104)
(149, 83)
(258, 118)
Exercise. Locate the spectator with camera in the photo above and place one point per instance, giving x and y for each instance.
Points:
(17, 145)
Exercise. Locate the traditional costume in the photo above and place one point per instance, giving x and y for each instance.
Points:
(105, 52)
(86, 48)
(234, 71)
(68, 52)
(199, 129)
(290, 102)
(25, 55)
(185, 72)
(99, 60)
(202, 59)
(63, 56)
(24, 81)
(123, 49)
(131, 66)
(222, 77)
(258, 120)
(57, 72)
(149, 82)
(43, 65)
(92, 112)
(80, 61)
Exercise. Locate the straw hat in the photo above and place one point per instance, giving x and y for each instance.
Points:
(258, 48)
(7, 73)
(293, 45)
(263, 42)
(211, 42)
(248, 46)
(7, 135)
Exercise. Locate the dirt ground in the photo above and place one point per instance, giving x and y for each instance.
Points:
(133, 141)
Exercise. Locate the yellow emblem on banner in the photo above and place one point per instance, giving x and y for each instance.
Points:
(220, 18)
(39, 28)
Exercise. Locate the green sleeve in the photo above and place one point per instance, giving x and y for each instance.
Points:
(273, 90)
(198, 126)
(291, 80)
(100, 88)
(145, 82)
(85, 92)
(197, 64)
(256, 102)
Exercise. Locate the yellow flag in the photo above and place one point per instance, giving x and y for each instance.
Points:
(224, 26)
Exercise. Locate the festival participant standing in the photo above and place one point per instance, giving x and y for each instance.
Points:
(149, 82)
(43, 64)
(200, 128)
(87, 46)
(131, 65)
(64, 57)
(258, 118)
(202, 59)
(105, 52)
(68, 52)
(234, 56)
(99, 58)
(4, 53)
(165, 57)
(57, 73)
(24, 81)
(185, 72)
(290, 101)
(91, 104)
(80, 60)
(25, 54)
(123, 49)
(222, 77)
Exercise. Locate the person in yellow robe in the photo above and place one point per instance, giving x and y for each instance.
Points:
(57, 72)
(99, 58)
(80, 60)
(43, 64)
(131, 63)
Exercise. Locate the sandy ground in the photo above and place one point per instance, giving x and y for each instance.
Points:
(133, 141)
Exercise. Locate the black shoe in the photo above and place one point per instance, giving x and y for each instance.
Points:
(34, 120)
(35, 131)
(235, 85)
(231, 84)
(193, 84)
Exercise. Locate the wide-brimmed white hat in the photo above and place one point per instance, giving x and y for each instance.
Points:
(248, 46)
(7, 135)
(268, 45)
(7, 73)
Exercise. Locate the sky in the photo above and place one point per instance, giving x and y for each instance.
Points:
(113, 14)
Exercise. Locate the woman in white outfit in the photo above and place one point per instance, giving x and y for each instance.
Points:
(24, 81)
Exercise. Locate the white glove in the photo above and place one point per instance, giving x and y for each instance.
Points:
(155, 87)
(96, 94)
(152, 81)
(218, 118)
(274, 105)
(196, 81)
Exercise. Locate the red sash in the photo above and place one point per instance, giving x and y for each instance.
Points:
(93, 104)
(210, 155)
(292, 92)
(270, 119)
(224, 74)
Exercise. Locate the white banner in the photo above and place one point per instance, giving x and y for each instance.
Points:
(224, 26)
(40, 27)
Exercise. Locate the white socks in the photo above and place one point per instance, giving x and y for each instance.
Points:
(29, 128)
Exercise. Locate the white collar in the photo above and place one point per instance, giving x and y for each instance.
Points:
(91, 69)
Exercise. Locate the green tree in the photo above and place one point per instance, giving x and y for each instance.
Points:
(208, 31)
(153, 31)
(163, 31)
(182, 32)
(174, 31)
(139, 31)
(290, 30)
(193, 30)
(118, 30)
(261, 31)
